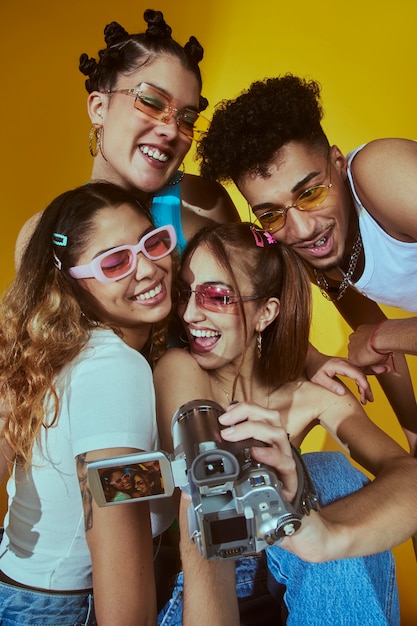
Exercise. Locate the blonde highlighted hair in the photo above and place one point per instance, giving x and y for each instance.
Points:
(45, 317)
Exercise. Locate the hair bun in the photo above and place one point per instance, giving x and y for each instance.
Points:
(157, 27)
(87, 66)
(114, 34)
(194, 50)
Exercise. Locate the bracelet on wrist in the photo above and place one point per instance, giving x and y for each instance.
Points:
(372, 337)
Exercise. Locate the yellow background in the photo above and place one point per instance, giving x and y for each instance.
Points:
(362, 52)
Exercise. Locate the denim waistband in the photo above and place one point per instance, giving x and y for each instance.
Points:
(14, 583)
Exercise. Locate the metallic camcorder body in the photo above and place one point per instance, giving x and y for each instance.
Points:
(237, 507)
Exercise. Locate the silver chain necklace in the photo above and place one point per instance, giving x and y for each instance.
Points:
(321, 280)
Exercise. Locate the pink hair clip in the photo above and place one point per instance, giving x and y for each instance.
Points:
(257, 234)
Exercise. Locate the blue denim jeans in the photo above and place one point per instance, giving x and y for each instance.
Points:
(347, 592)
(23, 607)
(251, 582)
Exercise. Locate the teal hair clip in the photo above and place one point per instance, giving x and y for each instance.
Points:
(59, 240)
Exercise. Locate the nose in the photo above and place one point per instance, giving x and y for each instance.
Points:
(301, 224)
(144, 267)
(168, 126)
(192, 312)
(169, 113)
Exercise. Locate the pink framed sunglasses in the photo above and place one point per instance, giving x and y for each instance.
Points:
(214, 297)
(119, 262)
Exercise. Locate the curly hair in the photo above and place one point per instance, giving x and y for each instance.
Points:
(45, 318)
(127, 52)
(272, 270)
(246, 133)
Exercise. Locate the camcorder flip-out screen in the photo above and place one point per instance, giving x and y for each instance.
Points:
(129, 478)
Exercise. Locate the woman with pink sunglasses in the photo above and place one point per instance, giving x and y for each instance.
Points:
(91, 295)
(245, 302)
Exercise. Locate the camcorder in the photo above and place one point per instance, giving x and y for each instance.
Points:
(236, 508)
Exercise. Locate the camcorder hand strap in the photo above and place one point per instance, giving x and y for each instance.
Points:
(306, 498)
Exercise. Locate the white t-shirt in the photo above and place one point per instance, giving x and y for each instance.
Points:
(106, 401)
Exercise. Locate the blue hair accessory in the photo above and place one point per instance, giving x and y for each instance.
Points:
(59, 240)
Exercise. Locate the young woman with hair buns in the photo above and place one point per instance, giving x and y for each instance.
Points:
(145, 107)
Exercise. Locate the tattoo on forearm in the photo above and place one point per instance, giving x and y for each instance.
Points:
(85, 490)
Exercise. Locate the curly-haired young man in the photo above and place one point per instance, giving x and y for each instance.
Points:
(352, 219)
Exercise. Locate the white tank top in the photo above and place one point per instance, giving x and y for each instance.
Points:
(390, 273)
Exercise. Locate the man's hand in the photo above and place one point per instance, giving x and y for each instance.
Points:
(322, 370)
(362, 354)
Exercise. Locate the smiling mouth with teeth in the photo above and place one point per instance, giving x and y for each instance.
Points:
(319, 243)
(154, 153)
(203, 333)
(149, 294)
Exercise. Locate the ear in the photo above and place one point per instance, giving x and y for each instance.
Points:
(339, 161)
(267, 313)
(97, 105)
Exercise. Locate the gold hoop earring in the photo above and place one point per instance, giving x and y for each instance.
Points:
(177, 177)
(259, 345)
(94, 140)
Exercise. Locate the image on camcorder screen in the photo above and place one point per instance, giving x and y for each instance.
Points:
(129, 482)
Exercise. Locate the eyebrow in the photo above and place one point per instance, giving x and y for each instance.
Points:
(297, 187)
(167, 94)
(212, 283)
(217, 283)
(145, 232)
(145, 82)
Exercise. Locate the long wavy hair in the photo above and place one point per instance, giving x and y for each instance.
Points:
(45, 316)
(272, 270)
